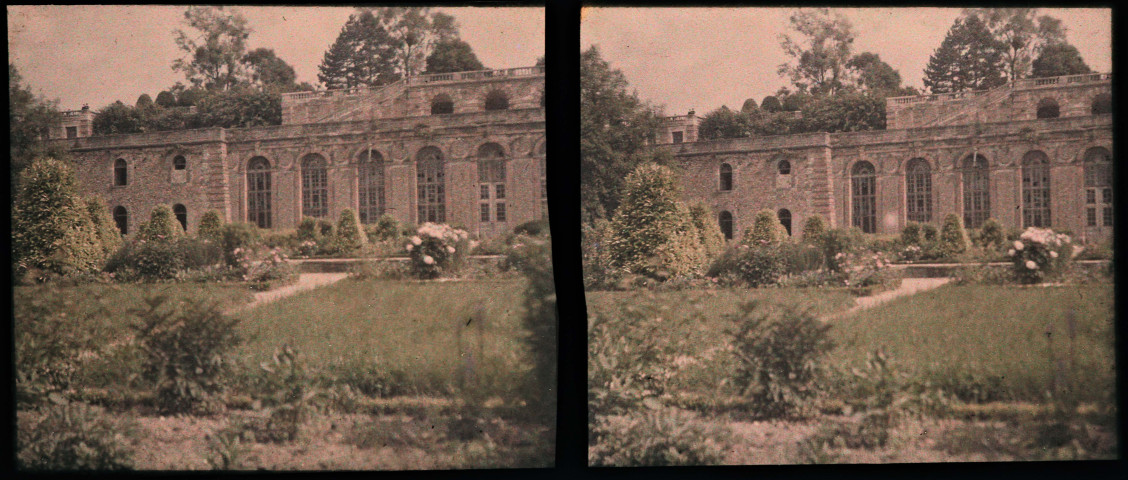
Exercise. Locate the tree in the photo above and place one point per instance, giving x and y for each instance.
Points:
(29, 118)
(116, 119)
(363, 54)
(1059, 59)
(267, 70)
(615, 127)
(653, 233)
(845, 112)
(820, 56)
(749, 106)
(211, 226)
(540, 61)
(708, 231)
(162, 226)
(144, 101)
(166, 99)
(242, 107)
(414, 30)
(724, 123)
(1021, 34)
(452, 55)
(873, 74)
(771, 104)
(765, 230)
(969, 58)
(213, 55)
(51, 227)
(109, 237)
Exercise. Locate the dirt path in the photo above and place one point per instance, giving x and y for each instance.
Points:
(306, 281)
(909, 286)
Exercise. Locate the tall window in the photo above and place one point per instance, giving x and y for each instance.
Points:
(785, 219)
(258, 192)
(1098, 187)
(491, 183)
(976, 191)
(1035, 190)
(543, 181)
(1048, 108)
(497, 100)
(121, 218)
(121, 173)
(179, 169)
(181, 213)
(442, 104)
(918, 191)
(726, 177)
(315, 186)
(429, 181)
(863, 188)
(370, 185)
(725, 220)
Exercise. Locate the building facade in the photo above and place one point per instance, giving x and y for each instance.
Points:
(466, 149)
(1034, 153)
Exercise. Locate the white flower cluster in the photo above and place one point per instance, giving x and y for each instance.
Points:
(1044, 236)
(441, 231)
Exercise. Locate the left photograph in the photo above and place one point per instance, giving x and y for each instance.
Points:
(280, 238)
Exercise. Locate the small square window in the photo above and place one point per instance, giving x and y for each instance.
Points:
(677, 137)
(72, 132)
(485, 192)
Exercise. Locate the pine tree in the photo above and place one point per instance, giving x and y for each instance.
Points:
(363, 54)
(969, 58)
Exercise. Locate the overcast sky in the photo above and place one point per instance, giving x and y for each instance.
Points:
(99, 54)
(703, 58)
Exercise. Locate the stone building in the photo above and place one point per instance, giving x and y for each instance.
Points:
(466, 149)
(1034, 153)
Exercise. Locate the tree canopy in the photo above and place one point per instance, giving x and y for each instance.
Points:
(1058, 59)
(1022, 34)
(267, 70)
(362, 54)
(213, 47)
(452, 55)
(969, 58)
(29, 118)
(820, 53)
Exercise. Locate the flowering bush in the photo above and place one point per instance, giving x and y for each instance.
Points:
(437, 249)
(1040, 254)
(868, 273)
(272, 270)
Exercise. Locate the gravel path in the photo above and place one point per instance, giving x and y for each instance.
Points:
(909, 286)
(306, 281)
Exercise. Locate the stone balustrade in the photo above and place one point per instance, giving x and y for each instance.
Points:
(1023, 84)
(420, 80)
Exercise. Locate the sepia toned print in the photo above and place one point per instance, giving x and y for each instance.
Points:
(847, 235)
(305, 238)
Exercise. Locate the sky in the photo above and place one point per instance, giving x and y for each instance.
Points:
(703, 58)
(99, 54)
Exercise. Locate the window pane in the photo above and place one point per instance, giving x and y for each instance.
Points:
(501, 211)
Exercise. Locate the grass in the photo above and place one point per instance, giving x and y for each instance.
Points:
(403, 335)
(991, 338)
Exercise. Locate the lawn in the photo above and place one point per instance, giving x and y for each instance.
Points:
(410, 337)
(993, 338)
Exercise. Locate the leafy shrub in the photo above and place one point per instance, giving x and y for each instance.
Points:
(187, 350)
(991, 235)
(385, 229)
(51, 228)
(308, 230)
(708, 231)
(594, 239)
(534, 260)
(953, 238)
(840, 242)
(929, 233)
(911, 234)
(657, 437)
(752, 266)
(765, 230)
(437, 250)
(869, 273)
(814, 229)
(652, 233)
(325, 228)
(211, 226)
(350, 236)
(239, 236)
(801, 257)
(162, 225)
(533, 228)
(1039, 254)
(48, 339)
(75, 436)
(147, 260)
(272, 271)
(109, 238)
(379, 270)
(779, 349)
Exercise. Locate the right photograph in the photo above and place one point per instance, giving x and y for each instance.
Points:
(848, 235)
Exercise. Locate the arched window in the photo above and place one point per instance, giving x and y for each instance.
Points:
(918, 191)
(784, 167)
(430, 185)
(258, 192)
(726, 177)
(725, 220)
(179, 163)
(181, 213)
(491, 183)
(179, 169)
(785, 219)
(442, 104)
(497, 100)
(1102, 104)
(863, 188)
(315, 186)
(370, 186)
(976, 191)
(1098, 187)
(121, 173)
(1035, 190)
(1048, 108)
(121, 218)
